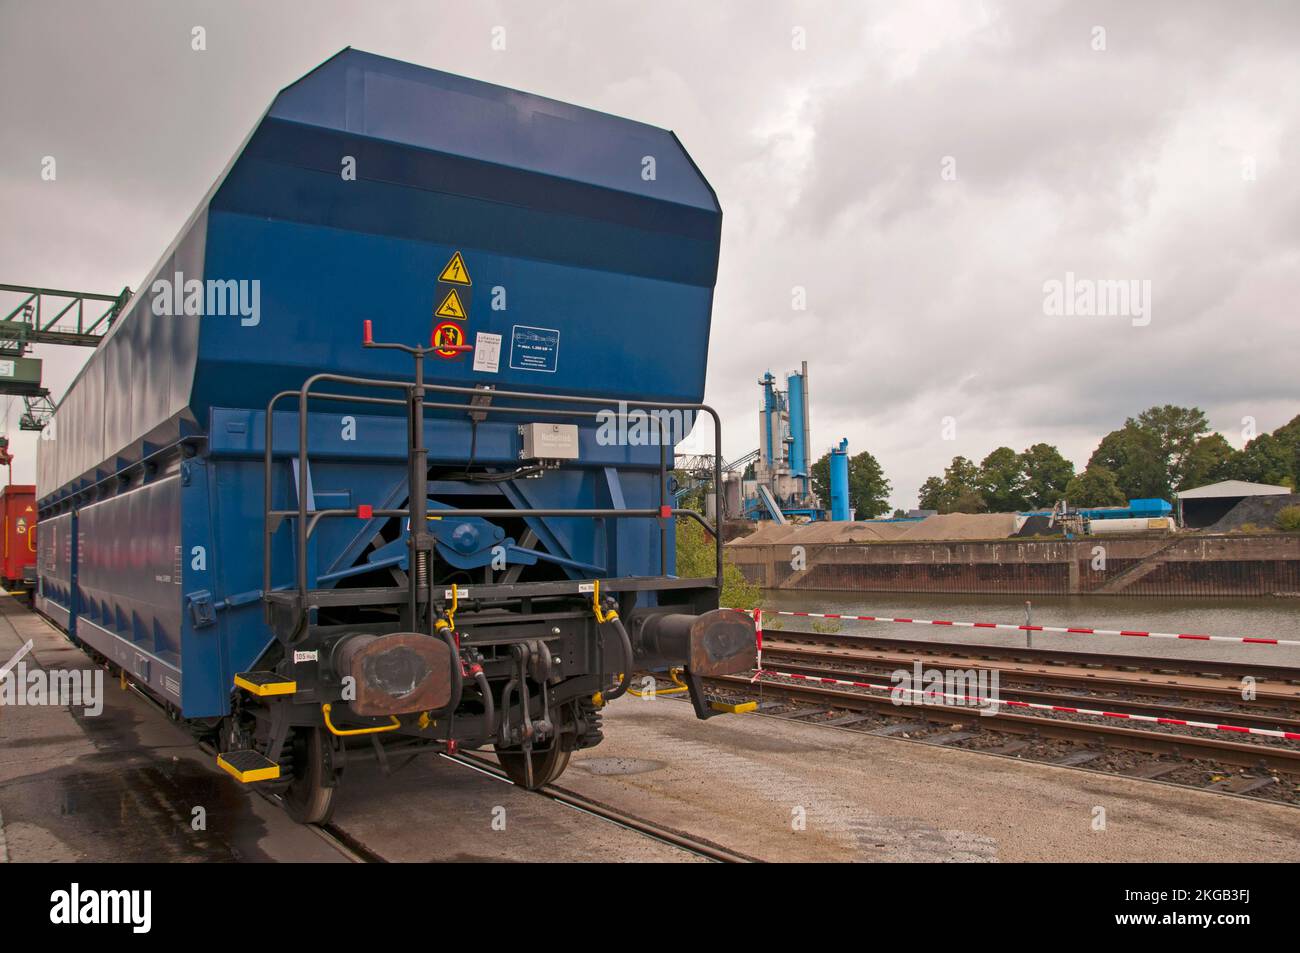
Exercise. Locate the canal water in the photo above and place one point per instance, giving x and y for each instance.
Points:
(1275, 618)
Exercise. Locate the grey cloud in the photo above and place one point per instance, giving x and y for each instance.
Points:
(925, 296)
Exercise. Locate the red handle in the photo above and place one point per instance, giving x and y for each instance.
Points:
(459, 348)
(368, 333)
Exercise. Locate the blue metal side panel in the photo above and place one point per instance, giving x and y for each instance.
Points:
(133, 391)
(206, 651)
(429, 109)
(318, 285)
(55, 562)
(129, 581)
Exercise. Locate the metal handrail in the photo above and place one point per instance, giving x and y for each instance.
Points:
(308, 519)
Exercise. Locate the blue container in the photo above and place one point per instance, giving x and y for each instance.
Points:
(798, 454)
(840, 511)
(581, 251)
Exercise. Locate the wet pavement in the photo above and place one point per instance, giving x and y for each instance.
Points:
(126, 784)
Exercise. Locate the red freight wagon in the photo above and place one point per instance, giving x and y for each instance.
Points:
(18, 512)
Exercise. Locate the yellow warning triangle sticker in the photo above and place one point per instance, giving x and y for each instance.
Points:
(456, 272)
(451, 307)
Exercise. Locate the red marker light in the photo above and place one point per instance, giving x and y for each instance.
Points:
(368, 334)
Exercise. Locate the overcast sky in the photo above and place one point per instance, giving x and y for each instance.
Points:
(921, 169)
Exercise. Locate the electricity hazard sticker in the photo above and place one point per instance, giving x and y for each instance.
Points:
(451, 307)
(456, 273)
(446, 337)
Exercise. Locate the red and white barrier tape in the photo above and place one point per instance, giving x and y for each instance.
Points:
(1072, 630)
(1238, 729)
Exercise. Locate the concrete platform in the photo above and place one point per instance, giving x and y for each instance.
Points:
(746, 780)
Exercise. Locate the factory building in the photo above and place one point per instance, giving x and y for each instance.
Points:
(781, 486)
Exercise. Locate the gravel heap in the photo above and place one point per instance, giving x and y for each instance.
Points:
(1260, 510)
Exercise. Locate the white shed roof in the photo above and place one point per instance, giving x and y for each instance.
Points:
(1229, 488)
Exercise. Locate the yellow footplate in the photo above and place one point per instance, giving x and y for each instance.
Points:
(248, 766)
(265, 683)
(735, 709)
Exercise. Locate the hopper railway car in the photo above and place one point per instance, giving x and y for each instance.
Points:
(377, 460)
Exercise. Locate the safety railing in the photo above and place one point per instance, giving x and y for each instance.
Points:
(306, 518)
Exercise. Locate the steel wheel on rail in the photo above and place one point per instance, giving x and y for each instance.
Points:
(548, 765)
(309, 799)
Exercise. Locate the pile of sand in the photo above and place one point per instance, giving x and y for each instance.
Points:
(956, 526)
(950, 526)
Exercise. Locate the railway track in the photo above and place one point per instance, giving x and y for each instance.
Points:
(1280, 680)
(1124, 706)
(1241, 754)
(1269, 710)
(1136, 685)
(1218, 765)
(687, 842)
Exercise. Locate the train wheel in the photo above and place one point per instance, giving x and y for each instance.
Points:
(547, 765)
(307, 798)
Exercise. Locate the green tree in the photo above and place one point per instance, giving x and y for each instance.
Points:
(695, 560)
(958, 491)
(1095, 486)
(868, 488)
(1209, 461)
(1289, 435)
(930, 496)
(1134, 457)
(1002, 481)
(1047, 474)
(1177, 431)
(968, 500)
(1266, 459)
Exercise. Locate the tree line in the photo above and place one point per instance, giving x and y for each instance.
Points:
(1157, 453)
(1154, 455)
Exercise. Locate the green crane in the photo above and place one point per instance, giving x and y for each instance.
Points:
(47, 316)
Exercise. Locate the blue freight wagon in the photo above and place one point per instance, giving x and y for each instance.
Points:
(378, 456)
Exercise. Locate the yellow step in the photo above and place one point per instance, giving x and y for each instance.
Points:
(248, 766)
(734, 709)
(263, 684)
